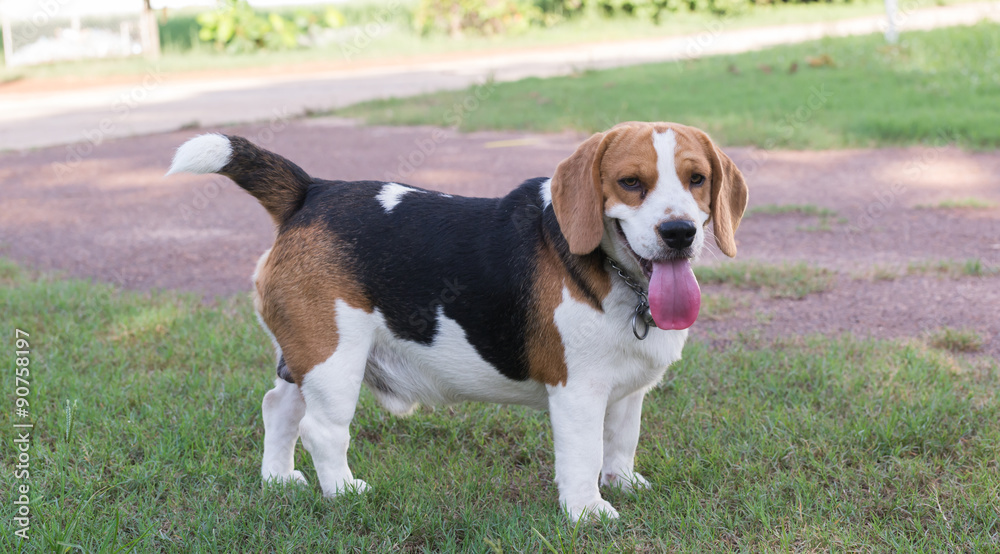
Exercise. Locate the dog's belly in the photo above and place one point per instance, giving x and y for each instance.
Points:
(404, 373)
(598, 346)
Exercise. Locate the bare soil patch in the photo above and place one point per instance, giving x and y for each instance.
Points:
(111, 216)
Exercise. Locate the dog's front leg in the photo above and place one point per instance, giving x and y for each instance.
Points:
(621, 435)
(577, 414)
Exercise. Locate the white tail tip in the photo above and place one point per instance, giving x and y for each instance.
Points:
(206, 153)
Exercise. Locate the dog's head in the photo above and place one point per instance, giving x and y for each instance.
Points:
(644, 193)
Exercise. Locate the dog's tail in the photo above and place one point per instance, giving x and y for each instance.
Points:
(277, 183)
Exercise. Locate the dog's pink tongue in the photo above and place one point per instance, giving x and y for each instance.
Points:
(674, 295)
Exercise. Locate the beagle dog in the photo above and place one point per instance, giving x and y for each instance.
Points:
(571, 294)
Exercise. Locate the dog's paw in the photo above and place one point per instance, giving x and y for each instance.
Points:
(293, 478)
(629, 482)
(297, 478)
(349, 486)
(591, 510)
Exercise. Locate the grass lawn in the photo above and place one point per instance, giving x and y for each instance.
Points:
(797, 209)
(779, 281)
(398, 41)
(936, 87)
(961, 203)
(148, 434)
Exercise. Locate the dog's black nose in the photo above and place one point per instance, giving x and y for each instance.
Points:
(678, 234)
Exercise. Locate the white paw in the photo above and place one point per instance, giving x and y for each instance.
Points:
(591, 510)
(349, 486)
(294, 478)
(629, 482)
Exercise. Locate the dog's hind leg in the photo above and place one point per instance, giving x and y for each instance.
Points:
(283, 408)
(331, 392)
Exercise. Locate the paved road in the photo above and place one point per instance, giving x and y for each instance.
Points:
(155, 103)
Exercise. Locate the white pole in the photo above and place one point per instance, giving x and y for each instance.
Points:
(8, 40)
(891, 30)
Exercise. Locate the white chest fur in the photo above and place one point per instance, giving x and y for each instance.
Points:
(601, 347)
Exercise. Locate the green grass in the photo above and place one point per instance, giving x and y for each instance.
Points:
(778, 281)
(824, 215)
(880, 273)
(956, 340)
(715, 307)
(797, 209)
(937, 87)
(973, 267)
(976, 268)
(182, 52)
(961, 203)
(807, 444)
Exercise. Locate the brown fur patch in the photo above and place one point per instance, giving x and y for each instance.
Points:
(576, 196)
(694, 155)
(593, 283)
(276, 182)
(724, 194)
(546, 353)
(630, 154)
(297, 286)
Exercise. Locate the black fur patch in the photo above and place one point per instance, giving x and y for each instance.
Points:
(276, 182)
(473, 258)
(283, 371)
(573, 264)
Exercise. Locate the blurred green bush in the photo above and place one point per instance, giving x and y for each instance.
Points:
(236, 27)
(489, 17)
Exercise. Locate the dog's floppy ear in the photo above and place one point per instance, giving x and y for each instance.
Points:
(729, 200)
(578, 198)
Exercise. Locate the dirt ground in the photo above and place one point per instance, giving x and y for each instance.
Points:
(107, 213)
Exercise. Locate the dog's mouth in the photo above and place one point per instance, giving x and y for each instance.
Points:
(646, 264)
(674, 294)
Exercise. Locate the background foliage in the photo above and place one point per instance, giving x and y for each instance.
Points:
(237, 27)
(456, 17)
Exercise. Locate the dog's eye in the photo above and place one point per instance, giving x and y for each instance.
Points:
(697, 179)
(630, 183)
